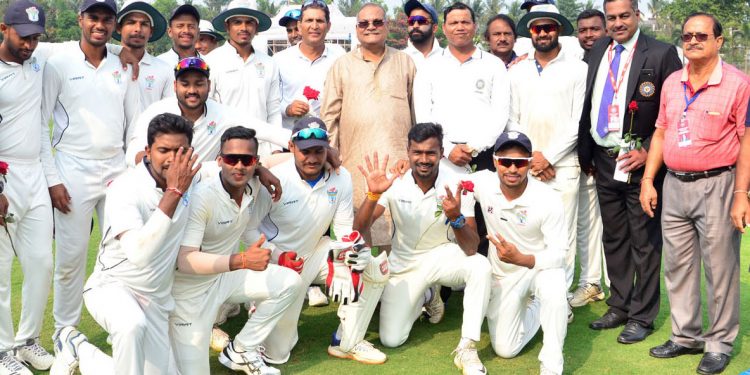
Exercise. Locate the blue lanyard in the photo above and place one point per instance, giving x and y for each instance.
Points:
(690, 101)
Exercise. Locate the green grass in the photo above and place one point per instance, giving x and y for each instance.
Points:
(428, 350)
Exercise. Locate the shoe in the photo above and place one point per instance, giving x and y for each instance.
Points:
(633, 332)
(467, 360)
(435, 308)
(219, 339)
(316, 297)
(363, 352)
(9, 365)
(227, 310)
(607, 321)
(585, 294)
(570, 314)
(66, 351)
(670, 350)
(250, 362)
(712, 363)
(34, 355)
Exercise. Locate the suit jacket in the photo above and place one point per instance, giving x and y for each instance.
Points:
(653, 62)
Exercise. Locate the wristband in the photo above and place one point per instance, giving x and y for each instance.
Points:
(174, 190)
(458, 223)
(373, 197)
(735, 192)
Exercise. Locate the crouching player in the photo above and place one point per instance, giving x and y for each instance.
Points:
(314, 199)
(527, 229)
(426, 217)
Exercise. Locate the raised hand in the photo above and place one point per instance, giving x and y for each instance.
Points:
(255, 257)
(377, 180)
(451, 203)
(180, 174)
(508, 252)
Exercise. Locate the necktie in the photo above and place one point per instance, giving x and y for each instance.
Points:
(609, 91)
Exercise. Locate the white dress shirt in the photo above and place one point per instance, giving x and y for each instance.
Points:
(418, 57)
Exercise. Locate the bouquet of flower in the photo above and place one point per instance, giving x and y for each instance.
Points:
(310, 94)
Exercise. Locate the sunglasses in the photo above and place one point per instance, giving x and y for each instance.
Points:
(307, 133)
(374, 23)
(315, 2)
(419, 20)
(192, 63)
(547, 28)
(700, 37)
(233, 159)
(507, 162)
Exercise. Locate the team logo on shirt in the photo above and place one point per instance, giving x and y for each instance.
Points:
(186, 199)
(35, 64)
(490, 209)
(150, 82)
(332, 193)
(479, 84)
(211, 127)
(33, 14)
(260, 69)
(117, 76)
(647, 89)
(522, 217)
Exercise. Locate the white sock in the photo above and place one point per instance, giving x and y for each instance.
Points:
(427, 296)
(465, 342)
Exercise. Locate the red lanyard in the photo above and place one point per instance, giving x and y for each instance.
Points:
(616, 85)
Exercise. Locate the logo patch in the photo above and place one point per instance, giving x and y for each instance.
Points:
(522, 216)
(117, 76)
(384, 267)
(211, 127)
(260, 69)
(332, 193)
(479, 84)
(490, 209)
(150, 82)
(647, 89)
(35, 64)
(33, 14)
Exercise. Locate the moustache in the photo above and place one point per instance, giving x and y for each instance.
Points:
(697, 47)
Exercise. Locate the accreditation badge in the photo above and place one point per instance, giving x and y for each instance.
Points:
(683, 132)
(613, 118)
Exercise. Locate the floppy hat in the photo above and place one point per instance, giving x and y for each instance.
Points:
(543, 11)
(241, 8)
(158, 22)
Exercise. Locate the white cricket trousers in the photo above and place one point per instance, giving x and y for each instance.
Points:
(589, 235)
(273, 291)
(403, 297)
(31, 233)
(138, 326)
(86, 181)
(519, 304)
(566, 183)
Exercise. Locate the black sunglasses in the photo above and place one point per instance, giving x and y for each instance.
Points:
(245, 159)
(507, 162)
(700, 37)
(375, 23)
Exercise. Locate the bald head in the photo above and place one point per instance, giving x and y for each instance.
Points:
(371, 5)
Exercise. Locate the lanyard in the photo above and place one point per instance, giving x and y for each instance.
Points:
(616, 85)
(690, 101)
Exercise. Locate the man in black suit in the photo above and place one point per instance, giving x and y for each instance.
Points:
(626, 66)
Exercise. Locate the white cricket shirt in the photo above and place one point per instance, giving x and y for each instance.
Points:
(418, 57)
(156, 79)
(297, 72)
(172, 58)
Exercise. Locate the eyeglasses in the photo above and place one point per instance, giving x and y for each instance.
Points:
(314, 2)
(192, 63)
(700, 37)
(507, 162)
(233, 159)
(547, 28)
(419, 20)
(374, 23)
(307, 133)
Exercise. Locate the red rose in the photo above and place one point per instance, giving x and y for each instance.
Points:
(310, 93)
(633, 106)
(3, 168)
(468, 186)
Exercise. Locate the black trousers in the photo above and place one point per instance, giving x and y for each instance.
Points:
(632, 242)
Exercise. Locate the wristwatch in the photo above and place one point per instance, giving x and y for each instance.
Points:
(459, 222)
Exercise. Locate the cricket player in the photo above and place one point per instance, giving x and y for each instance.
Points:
(208, 38)
(211, 272)
(316, 198)
(129, 292)
(528, 235)
(183, 30)
(435, 242)
(93, 103)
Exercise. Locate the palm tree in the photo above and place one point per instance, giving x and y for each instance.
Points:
(349, 8)
(514, 10)
(268, 7)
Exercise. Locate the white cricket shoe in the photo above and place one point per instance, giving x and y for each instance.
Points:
(435, 308)
(316, 297)
(9, 365)
(585, 294)
(467, 359)
(363, 352)
(250, 362)
(219, 339)
(66, 351)
(34, 355)
(570, 314)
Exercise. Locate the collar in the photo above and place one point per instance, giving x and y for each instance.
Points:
(477, 54)
(147, 59)
(713, 80)
(631, 42)
(435, 47)
(526, 199)
(247, 195)
(291, 168)
(298, 52)
(358, 53)
(197, 54)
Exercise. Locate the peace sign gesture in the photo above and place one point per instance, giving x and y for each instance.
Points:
(451, 203)
(377, 180)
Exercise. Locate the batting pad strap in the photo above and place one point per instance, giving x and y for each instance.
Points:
(355, 317)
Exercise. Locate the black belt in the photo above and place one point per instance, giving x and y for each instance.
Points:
(693, 176)
(609, 151)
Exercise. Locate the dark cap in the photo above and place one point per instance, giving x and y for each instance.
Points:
(25, 17)
(191, 64)
(185, 9)
(107, 4)
(313, 138)
(414, 4)
(512, 137)
(292, 15)
(530, 3)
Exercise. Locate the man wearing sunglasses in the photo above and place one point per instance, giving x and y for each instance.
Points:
(699, 130)
(526, 224)
(558, 81)
(208, 38)
(435, 242)
(315, 199)
(626, 66)
(290, 22)
(421, 24)
(210, 272)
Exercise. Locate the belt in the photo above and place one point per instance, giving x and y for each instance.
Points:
(693, 176)
(609, 151)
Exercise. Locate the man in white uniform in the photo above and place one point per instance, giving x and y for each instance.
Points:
(128, 293)
(427, 218)
(210, 272)
(547, 91)
(208, 38)
(183, 30)
(93, 103)
(421, 24)
(24, 194)
(526, 223)
(243, 77)
(316, 198)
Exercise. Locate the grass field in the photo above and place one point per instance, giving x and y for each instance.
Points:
(428, 350)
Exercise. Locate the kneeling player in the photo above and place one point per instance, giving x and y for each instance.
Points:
(426, 215)
(210, 273)
(527, 230)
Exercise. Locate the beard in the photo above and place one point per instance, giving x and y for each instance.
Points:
(418, 37)
(554, 42)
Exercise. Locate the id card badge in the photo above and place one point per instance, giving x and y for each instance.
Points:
(619, 175)
(683, 132)
(613, 118)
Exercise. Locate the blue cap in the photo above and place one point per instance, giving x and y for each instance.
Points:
(107, 4)
(25, 17)
(292, 15)
(512, 137)
(414, 4)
